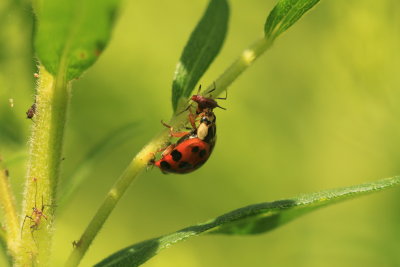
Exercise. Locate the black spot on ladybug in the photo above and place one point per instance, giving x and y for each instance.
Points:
(195, 149)
(176, 155)
(202, 153)
(184, 165)
(165, 165)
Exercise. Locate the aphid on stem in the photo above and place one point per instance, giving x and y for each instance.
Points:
(31, 111)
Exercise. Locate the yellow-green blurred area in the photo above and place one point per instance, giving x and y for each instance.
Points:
(319, 110)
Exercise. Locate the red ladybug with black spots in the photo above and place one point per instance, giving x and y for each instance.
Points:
(193, 148)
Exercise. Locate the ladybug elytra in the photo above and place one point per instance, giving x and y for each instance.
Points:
(193, 149)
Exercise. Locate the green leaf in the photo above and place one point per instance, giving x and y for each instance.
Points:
(285, 14)
(70, 35)
(203, 46)
(253, 219)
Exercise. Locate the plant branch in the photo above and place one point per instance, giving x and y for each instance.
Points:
(140, 162)
(7, 202)
(136, 166)
(245, 60)
(53, 94)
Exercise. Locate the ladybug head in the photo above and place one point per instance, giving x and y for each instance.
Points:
(207, 117)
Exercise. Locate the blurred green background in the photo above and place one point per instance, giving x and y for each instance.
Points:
(319, 110)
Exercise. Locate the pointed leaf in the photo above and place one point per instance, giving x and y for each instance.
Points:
(203, 46)
(70, 35)
(285, 14)
(253, 219)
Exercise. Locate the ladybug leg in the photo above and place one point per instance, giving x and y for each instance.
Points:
(171, 131)
(165, 151)
(162, 149)
(151, 162)
(168, 150)
(192, 119)
(178, 134)
(153, 154)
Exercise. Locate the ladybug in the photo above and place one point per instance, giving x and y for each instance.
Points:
(192, 150)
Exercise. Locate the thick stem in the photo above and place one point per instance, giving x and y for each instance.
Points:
(53, 94)
(140, 162)
(7, 202)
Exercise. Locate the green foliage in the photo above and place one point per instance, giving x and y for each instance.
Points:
(253, 219)
(10, 131)
(203, 46)
(285, 14)
(68, 39)
(70, 35)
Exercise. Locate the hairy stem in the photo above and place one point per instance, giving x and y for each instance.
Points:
(7, 202)
(140, 162)
(53, 94)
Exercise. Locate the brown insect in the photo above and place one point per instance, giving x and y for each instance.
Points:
(203, 103)
(206, 102)
(31, 111)
(76, 244)
(36, 215)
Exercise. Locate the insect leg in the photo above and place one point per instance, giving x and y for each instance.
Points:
(172, 133)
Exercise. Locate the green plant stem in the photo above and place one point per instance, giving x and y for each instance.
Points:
(136, 166)
(245, 60)
(140, 162)
(53, 94)
(7, 202)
